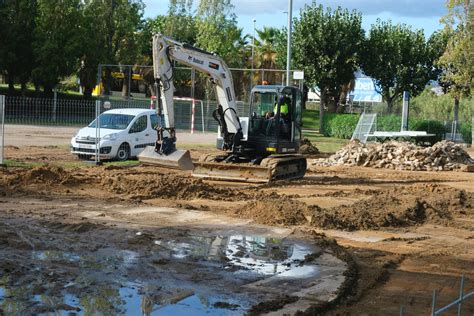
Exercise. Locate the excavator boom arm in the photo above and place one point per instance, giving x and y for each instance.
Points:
(166, 50)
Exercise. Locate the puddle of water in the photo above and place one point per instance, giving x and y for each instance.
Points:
(126, 300)
(106, 257)
(253, 254)
(184, 303)
(113, 281)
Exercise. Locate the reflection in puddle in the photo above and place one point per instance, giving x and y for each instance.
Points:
(182, 302)
(168, 278)
(125, 300)
(261, 255)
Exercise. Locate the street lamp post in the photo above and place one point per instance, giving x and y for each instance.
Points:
(253, 43)
(288, 49)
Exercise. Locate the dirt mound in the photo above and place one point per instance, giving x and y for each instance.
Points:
(307, 148)
(19, 179)
(171, 186)
(443, 155)
(279, 211)
(401, 207)
(47, 175)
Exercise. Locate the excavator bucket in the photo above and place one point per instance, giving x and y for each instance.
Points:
(179, 159)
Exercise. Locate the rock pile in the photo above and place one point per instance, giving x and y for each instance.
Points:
(443, 155)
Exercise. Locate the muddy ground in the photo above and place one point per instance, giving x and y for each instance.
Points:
(400, 234)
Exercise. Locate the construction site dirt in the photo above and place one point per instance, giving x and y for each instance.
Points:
(341, 241)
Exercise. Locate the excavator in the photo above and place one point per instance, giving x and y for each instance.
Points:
(259, 148)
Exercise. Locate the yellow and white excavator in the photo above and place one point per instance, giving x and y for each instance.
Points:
(259, 148)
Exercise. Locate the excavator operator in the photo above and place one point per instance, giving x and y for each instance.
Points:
(283, 117)
(284, 109)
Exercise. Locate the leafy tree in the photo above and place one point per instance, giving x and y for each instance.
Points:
(281, 43)
(57, 43)
(457, 62)
(265, 46)
(180, 23)
(326, 46)
(217, 29)
(17, 24)
(217, 32)
(399, 59)
(112, 37)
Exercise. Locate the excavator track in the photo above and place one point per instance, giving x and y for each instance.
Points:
(276, 167)
(285, 167)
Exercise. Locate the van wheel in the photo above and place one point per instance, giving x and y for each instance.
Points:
(123, 153)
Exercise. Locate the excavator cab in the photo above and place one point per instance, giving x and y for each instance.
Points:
(274, 125)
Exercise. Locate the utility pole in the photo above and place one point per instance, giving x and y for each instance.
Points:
(288, 49)
(253, 43)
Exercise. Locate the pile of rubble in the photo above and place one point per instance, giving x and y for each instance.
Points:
(443, 155)
(307, 148)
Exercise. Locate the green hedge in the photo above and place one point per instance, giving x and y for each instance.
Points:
(343, 125)
(339, 125)
(466, 132)
(431, 127)
(389, 123)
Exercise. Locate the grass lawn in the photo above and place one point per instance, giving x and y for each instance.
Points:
(30, 92)
(326, 144)
(311, 119)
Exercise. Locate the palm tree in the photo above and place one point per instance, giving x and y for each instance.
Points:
(266, 51)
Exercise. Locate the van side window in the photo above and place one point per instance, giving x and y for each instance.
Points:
(154, 121)
(139, 125)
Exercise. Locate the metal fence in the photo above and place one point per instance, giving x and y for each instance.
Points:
(71, 112)
(132, 87)
(456, 304)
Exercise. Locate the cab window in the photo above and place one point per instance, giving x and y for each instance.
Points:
(139, 125)
(263, 102)
(154, 121)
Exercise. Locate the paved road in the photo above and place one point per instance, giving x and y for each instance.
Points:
(31, 135)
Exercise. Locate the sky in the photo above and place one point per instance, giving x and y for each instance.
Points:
(419, 14)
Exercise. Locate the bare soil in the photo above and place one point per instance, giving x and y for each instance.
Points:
(402, 233)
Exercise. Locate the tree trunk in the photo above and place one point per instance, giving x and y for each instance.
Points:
(389, 105)
(37, 89)
(11, 85)
(322, 103)
(126, 83)
(23, 89)
(87, 92)
(331, 103)
(341, 103)
(48, 91)
(456, 109)
(108, 81)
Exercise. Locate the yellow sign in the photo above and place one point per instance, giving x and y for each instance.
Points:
(121, 75)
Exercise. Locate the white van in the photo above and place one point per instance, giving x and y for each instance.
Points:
(124, 133)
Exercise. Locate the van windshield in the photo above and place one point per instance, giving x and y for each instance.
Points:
(113, 121)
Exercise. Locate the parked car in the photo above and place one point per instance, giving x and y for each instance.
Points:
(124, 133)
